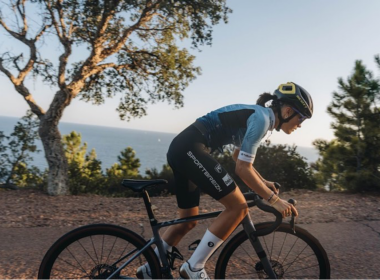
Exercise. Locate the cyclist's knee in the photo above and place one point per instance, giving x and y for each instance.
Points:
(239, 210)
(244, 210)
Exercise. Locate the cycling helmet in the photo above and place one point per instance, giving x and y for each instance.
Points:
(295, 96)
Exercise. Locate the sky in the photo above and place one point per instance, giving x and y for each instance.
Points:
(264, 44)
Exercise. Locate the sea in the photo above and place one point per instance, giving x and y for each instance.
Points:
(108, 142)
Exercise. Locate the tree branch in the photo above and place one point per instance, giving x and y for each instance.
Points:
(18, 81)
(146, 15)
(54, 21)
(22, 14)
(60, 27)
(15, 62)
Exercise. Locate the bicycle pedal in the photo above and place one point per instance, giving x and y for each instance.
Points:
(194, 245)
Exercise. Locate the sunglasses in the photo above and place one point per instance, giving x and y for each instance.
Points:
(302, 117)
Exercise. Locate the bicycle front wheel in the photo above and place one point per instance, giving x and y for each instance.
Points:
(292, 255)
(95, 252)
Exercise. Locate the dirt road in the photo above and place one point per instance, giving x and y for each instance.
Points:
(347, 225)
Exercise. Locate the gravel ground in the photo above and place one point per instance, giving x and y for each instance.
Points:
(347, 225)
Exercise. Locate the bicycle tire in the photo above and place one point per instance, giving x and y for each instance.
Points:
(92, 251)
(238, 258)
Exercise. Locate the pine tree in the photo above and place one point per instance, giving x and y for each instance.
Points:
(351, 161)
(126, 168)
(85, 171)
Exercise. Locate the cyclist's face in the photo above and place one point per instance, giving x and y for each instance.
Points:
(293, 123)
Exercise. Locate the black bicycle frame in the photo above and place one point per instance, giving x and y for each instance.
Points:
(156, 226)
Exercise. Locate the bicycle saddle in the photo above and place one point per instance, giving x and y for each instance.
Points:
(140, 185)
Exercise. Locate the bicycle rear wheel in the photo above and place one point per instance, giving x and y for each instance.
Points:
(95, 252)
(292, 255)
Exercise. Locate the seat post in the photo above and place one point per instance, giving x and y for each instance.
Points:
(148, 206)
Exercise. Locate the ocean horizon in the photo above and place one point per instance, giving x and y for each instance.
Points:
(150, 146)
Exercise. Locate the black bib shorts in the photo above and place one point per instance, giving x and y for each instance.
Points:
(195, 169)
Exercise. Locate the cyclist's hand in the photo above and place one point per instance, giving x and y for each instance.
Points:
(285, 208)
(271, 185)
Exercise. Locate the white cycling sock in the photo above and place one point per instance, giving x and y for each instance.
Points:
(206, 247)
(167, 247)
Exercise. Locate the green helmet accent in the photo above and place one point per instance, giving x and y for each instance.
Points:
(296, 96)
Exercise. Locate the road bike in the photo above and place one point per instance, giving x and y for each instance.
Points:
(266, 250)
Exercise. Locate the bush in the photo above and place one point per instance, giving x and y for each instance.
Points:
(277, 163)
(15, 155)
(85, 171)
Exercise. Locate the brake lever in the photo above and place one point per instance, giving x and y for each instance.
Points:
(292, 221)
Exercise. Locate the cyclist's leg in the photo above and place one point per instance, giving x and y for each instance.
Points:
(235, 210)
(212, 178)
(188, 200)
(174, 234)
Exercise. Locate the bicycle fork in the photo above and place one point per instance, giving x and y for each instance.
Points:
(249, 228)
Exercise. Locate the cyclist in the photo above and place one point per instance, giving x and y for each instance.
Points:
(195, 169)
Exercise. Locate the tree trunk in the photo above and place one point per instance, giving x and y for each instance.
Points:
(56, 159)
(52, 143)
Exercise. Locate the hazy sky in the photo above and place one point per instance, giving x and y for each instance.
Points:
(264, 44)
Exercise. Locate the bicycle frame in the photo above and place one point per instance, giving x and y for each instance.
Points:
(157, 240)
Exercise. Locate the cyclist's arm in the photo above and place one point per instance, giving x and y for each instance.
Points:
(269, 184)
(251, 178)
(246, 172)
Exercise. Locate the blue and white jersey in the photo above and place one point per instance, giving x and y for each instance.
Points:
(241, 125)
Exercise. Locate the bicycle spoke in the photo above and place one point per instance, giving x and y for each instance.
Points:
(88, 254)
(297, 256)
(303, 259)
(84, 270)
(113, 245)
(93, 246)
(291, 248)
(101, 256)
(271, 251)
(122, 253)
(69, 271)
(282, 247)
(265, 244)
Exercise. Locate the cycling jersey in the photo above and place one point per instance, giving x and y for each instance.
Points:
(189, 153)
(241, 125)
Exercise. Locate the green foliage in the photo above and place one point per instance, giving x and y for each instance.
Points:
(15, 154)
(126, 168)
(278, 163)
(352, 160)
(132, 47)
(283, 164)
(85, 172)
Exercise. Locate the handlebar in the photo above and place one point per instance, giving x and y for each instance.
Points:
(253, 199)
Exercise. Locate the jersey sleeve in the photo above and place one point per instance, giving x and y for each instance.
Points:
(257, 127)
